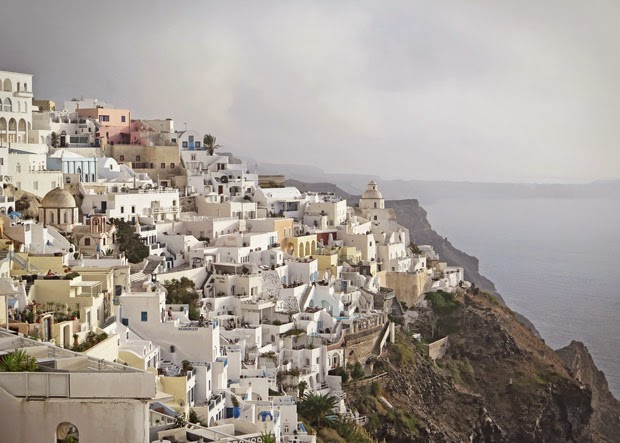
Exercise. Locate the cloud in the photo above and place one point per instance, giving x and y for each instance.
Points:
(451, 90)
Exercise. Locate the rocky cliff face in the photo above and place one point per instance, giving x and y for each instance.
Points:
(497, 383)
(606, 421)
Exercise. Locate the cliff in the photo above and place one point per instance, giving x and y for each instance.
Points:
(498, 382)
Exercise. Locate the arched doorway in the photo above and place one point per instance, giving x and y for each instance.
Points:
(67, 432)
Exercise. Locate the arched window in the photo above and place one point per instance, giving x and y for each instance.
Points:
(8, 105)
(25, 86)
(375, 204)
(19, 106)
(66, 432)
(87, 241)
(0, 84)
(7, 85)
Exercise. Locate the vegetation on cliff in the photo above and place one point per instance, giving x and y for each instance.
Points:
(497, 382)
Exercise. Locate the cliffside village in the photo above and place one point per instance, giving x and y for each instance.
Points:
(291, 286)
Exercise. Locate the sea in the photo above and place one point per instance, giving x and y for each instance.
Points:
(554, 260)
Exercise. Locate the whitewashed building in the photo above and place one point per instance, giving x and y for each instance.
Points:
(16, 107)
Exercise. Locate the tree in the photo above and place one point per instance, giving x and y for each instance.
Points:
(210, 143)
(318, 409)
(18, 361)
(183, 292)
(129, 242)
(357, 371)
(54, 140)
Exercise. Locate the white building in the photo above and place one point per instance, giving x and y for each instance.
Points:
(89, 399)
(131, 204)
(28, 172)
(72, 130)
(16, 107)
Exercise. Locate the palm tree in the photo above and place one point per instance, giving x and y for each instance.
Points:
(18, 361)
(210, 143)
(318, 409)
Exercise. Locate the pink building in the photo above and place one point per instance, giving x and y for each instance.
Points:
(114, 124)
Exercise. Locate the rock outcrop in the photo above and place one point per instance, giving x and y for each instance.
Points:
(606, 420)
(498, 382)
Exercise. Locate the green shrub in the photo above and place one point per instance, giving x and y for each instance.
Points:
(442, 303)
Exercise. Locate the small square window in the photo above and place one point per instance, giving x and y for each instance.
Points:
(122, 158)
(137, 158)
(123, 119)
(144, 316)
(185, 144)
(162, 166)
(171, 165)
(122, 209)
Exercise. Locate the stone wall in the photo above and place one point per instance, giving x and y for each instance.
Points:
(437, 349)
(408, 286)
(360, 346)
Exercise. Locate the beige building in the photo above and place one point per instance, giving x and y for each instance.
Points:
(161, 163)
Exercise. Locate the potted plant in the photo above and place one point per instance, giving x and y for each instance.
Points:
(236, 408)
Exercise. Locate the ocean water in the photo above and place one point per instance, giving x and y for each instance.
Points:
(556, 261)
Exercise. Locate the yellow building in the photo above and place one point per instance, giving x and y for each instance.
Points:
(302, 246)
(328, 260)
(350, 254)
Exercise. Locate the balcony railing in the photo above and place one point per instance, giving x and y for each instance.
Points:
(23, 94)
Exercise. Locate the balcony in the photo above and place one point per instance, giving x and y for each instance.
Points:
(23, 94)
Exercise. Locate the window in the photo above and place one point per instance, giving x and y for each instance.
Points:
(104, 118)
(144, 316)
(122, 209)
(171, 165)
(137, 158)
(185, 144)
(36, 185)
(19, 168)
(123, 119)
(375, 217)
(197, 144)
(162, 166)
(133, 209)
(122, 158)
(193, 156)
(87, 241)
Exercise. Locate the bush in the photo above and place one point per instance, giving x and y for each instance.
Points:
(442, 303)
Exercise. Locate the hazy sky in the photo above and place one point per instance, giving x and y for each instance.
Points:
(476, 90)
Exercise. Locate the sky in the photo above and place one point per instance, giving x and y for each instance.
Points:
(434, 90)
